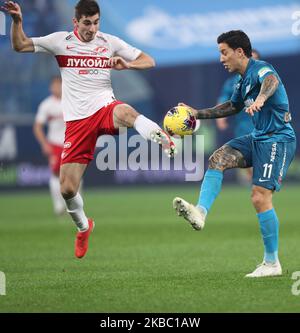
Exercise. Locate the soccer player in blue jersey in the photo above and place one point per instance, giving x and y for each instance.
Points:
(269, 149)
(242, 123)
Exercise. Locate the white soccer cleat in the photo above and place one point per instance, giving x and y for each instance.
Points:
(192, 214)
(266, 269)
(162, 138)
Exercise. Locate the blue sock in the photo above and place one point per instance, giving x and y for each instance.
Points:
(210, 188)
(269, 227)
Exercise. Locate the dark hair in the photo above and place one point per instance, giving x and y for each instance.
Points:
(235, 39)
(86, 8)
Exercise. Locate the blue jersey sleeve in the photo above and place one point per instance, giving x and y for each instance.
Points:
(264, 71)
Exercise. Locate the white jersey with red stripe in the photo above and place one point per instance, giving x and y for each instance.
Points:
(86, 82)
(50, 113)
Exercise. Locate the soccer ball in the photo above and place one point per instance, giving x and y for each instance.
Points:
(179, 121)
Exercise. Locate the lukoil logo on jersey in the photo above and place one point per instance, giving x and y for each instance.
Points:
(82, 62)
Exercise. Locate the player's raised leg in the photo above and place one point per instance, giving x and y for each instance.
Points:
(70, 176)
(194, 215)
(222, 159)
(126, 116)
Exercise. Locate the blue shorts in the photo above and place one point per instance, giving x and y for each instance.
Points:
(270, 160)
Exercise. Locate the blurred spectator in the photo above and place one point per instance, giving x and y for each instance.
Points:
(50, 114)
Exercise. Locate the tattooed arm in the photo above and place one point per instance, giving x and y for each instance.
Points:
(219, 111)
(267, 89)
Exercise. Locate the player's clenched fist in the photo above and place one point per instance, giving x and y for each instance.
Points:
(13, 9)
(118, 63)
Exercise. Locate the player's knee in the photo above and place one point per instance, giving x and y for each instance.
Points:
(216, 161)
(125, 115)
(255, 198)
(258, 199)
(68, 193)
(125, 112)
(68, 190)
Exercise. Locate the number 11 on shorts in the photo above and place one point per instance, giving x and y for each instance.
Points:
(267, 170)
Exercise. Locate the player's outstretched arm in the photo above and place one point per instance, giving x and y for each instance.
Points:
(143, 61)
(20, 42)
(267, 89)
(219, 111)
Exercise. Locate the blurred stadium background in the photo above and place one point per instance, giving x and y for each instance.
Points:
(181, 36)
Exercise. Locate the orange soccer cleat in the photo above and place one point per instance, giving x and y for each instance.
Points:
(82, 240)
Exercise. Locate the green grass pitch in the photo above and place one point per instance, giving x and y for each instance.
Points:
(142, 257)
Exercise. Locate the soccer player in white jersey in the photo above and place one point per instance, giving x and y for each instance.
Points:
(86, 57)
(50, 113)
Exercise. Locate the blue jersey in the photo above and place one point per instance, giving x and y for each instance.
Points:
(243, 123)
(272, 122)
